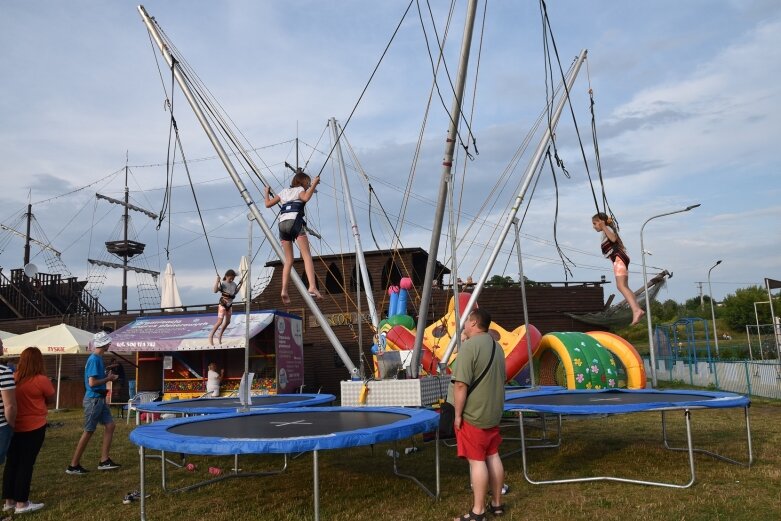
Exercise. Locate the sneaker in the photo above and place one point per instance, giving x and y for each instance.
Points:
(108, 465)
(78, 470)
(31, 507)
(8, 508)
(130, 497)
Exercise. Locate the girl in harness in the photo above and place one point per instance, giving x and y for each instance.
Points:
(292, 228)
(613, 248)
(228, 290)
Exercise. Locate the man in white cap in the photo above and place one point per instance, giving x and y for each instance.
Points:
(95, 408)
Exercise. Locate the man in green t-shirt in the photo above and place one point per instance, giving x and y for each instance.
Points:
(478, 414)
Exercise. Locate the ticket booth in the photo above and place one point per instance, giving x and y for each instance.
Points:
(173, 352)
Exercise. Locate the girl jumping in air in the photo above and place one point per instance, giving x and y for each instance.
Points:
(292, 228)
(613, 248)
(228, 290)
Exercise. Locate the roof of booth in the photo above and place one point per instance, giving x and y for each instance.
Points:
(191, 332)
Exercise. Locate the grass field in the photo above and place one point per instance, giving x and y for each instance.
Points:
(358, 484)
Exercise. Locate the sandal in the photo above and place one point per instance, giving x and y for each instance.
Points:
(471, 516)
(497, 510)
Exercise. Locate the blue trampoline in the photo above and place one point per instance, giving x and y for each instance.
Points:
(562, 402)
(232, 404)
(286, 431)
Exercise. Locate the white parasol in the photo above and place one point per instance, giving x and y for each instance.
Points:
(243, 269)
(169, 294)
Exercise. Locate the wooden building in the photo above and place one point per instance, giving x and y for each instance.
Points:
(336, 280)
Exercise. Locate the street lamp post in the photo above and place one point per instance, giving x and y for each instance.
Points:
(712, 312)
(647, 299)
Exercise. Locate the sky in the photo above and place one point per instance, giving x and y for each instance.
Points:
(686, 95)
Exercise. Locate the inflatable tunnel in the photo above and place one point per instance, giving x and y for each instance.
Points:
(595, 360)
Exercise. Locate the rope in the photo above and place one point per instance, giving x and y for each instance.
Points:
(564, 259)
(371, 77)
(460, 115)
(548, 30)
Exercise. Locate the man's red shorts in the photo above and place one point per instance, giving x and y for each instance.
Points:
(477, 444)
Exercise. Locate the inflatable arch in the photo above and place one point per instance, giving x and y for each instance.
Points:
(595, 360)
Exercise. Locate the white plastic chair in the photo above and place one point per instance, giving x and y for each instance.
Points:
(142, 397)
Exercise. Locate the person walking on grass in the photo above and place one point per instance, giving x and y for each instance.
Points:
(95, 408)
(477, 395)
(34, 391)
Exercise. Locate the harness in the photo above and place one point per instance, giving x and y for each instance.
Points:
(296, 207)
(612, 250)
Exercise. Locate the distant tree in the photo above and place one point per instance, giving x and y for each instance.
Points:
(738, 310)
(530, 283)
(665, 311)
(499, 281)
(694, 307)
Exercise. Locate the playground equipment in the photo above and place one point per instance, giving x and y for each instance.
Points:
(686, 339)
(596, 360)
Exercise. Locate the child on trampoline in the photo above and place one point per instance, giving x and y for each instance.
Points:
(228, 290)
(292, 228)
(213, 380)
(613, 248)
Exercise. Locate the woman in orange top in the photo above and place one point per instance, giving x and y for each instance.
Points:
(33, 392)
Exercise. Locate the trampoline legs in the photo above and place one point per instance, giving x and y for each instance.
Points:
(316, 489)
(543, 438)
(142, 485)
(690, 450)
(710, 453)
(415, 480)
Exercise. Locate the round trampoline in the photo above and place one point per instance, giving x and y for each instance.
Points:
(616, 401)
(286, 431)
(232, 404)
(561, 402)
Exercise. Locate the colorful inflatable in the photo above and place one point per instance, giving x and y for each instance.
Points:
(595, 360)
(437, 337)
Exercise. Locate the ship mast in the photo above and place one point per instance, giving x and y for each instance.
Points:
(125, 249)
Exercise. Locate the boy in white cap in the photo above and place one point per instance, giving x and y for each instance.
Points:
(95, 408)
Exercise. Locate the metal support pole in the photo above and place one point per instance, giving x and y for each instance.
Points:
(774, 326)
(247, 310)
(527, 178)
(272, 238)
(712, 311)
(447, 164)
(651, 346)
(348, 201)
(516, 225)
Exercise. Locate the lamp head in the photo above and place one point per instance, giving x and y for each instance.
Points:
(692, 207)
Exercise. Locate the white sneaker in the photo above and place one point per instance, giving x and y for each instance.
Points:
(31, 507)
(8, 508)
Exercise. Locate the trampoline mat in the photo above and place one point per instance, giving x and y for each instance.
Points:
(607, 397)
(287, 424)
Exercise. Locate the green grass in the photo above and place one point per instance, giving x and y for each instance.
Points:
(358, 484)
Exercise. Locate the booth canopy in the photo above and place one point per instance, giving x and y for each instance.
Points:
(186, 332)
(56, 340)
